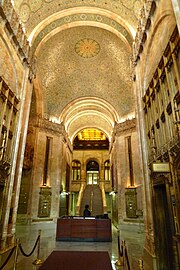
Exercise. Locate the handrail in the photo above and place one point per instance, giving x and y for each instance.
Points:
(141, 264)
(80, 198)
(103, 198)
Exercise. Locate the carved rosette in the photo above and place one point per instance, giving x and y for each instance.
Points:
(87, 48)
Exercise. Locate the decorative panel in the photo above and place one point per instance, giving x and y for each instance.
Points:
(44, 202)
(131, 202)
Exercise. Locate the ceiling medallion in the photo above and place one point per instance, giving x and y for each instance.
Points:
(87, 48)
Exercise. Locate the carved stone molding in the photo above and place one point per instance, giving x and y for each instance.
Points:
(144, 24)
(125, 127)
(48, 126)
(172, 147)
(161, 178)
(14, 30)
(52, 128)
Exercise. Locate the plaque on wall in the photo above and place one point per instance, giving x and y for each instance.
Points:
(131, 202)
(44, 202)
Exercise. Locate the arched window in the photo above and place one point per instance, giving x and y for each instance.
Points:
(107, 175)
(76, 170)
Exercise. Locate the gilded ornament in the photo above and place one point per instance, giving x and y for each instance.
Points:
(87, 48)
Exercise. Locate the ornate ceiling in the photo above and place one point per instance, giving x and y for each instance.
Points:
(83, 50)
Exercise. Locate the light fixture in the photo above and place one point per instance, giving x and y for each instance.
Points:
(63, 193)
(112, 193)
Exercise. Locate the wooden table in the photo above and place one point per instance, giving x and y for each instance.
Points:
(83, 229)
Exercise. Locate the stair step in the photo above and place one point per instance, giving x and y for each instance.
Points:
(97, 205)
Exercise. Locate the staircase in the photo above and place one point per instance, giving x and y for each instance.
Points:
(92, 196)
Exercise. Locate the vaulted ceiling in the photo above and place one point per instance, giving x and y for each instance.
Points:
(83, 51)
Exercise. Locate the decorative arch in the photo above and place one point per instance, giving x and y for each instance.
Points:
(63, 20)
(89, 112)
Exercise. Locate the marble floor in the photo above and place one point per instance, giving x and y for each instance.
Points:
(132, 234)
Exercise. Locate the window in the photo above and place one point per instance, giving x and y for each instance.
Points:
(107, 174)
(76, 170)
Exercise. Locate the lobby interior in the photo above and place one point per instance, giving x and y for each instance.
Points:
(89, 114)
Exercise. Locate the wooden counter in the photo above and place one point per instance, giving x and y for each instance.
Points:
(83, 229)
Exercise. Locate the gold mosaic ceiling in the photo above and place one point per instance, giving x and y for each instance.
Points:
(83, 50)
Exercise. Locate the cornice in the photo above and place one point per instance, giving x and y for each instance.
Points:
(125, 127)
(48, 126)
(52, 128)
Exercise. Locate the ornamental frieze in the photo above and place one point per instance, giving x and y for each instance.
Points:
(31, 12)
(48, 126)
(89, 17)
(144, 23)
(14, 29)
(125, 127)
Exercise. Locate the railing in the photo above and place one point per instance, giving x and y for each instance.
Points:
(123, 257)
(103, 198)
(18, 247)
(83, 185)
(141, 265)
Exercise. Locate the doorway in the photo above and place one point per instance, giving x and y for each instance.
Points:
(163, 237)
(92, 172)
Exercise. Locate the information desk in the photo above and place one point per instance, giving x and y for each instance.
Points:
(83, 229)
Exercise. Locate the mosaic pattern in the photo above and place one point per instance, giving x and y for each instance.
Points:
(41, 9)
(66, 76)
(87, 48)
(81, 17)
(35, 5)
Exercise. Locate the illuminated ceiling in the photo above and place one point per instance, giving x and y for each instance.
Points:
(91, 134)
(83, 51)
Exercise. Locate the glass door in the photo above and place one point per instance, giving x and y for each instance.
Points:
(92, 177)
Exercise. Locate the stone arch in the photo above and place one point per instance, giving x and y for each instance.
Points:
(89, 112)
(50, 23)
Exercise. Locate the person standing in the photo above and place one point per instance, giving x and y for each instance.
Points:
(87, 212)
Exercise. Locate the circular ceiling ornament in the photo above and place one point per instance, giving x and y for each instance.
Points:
(87, 48)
